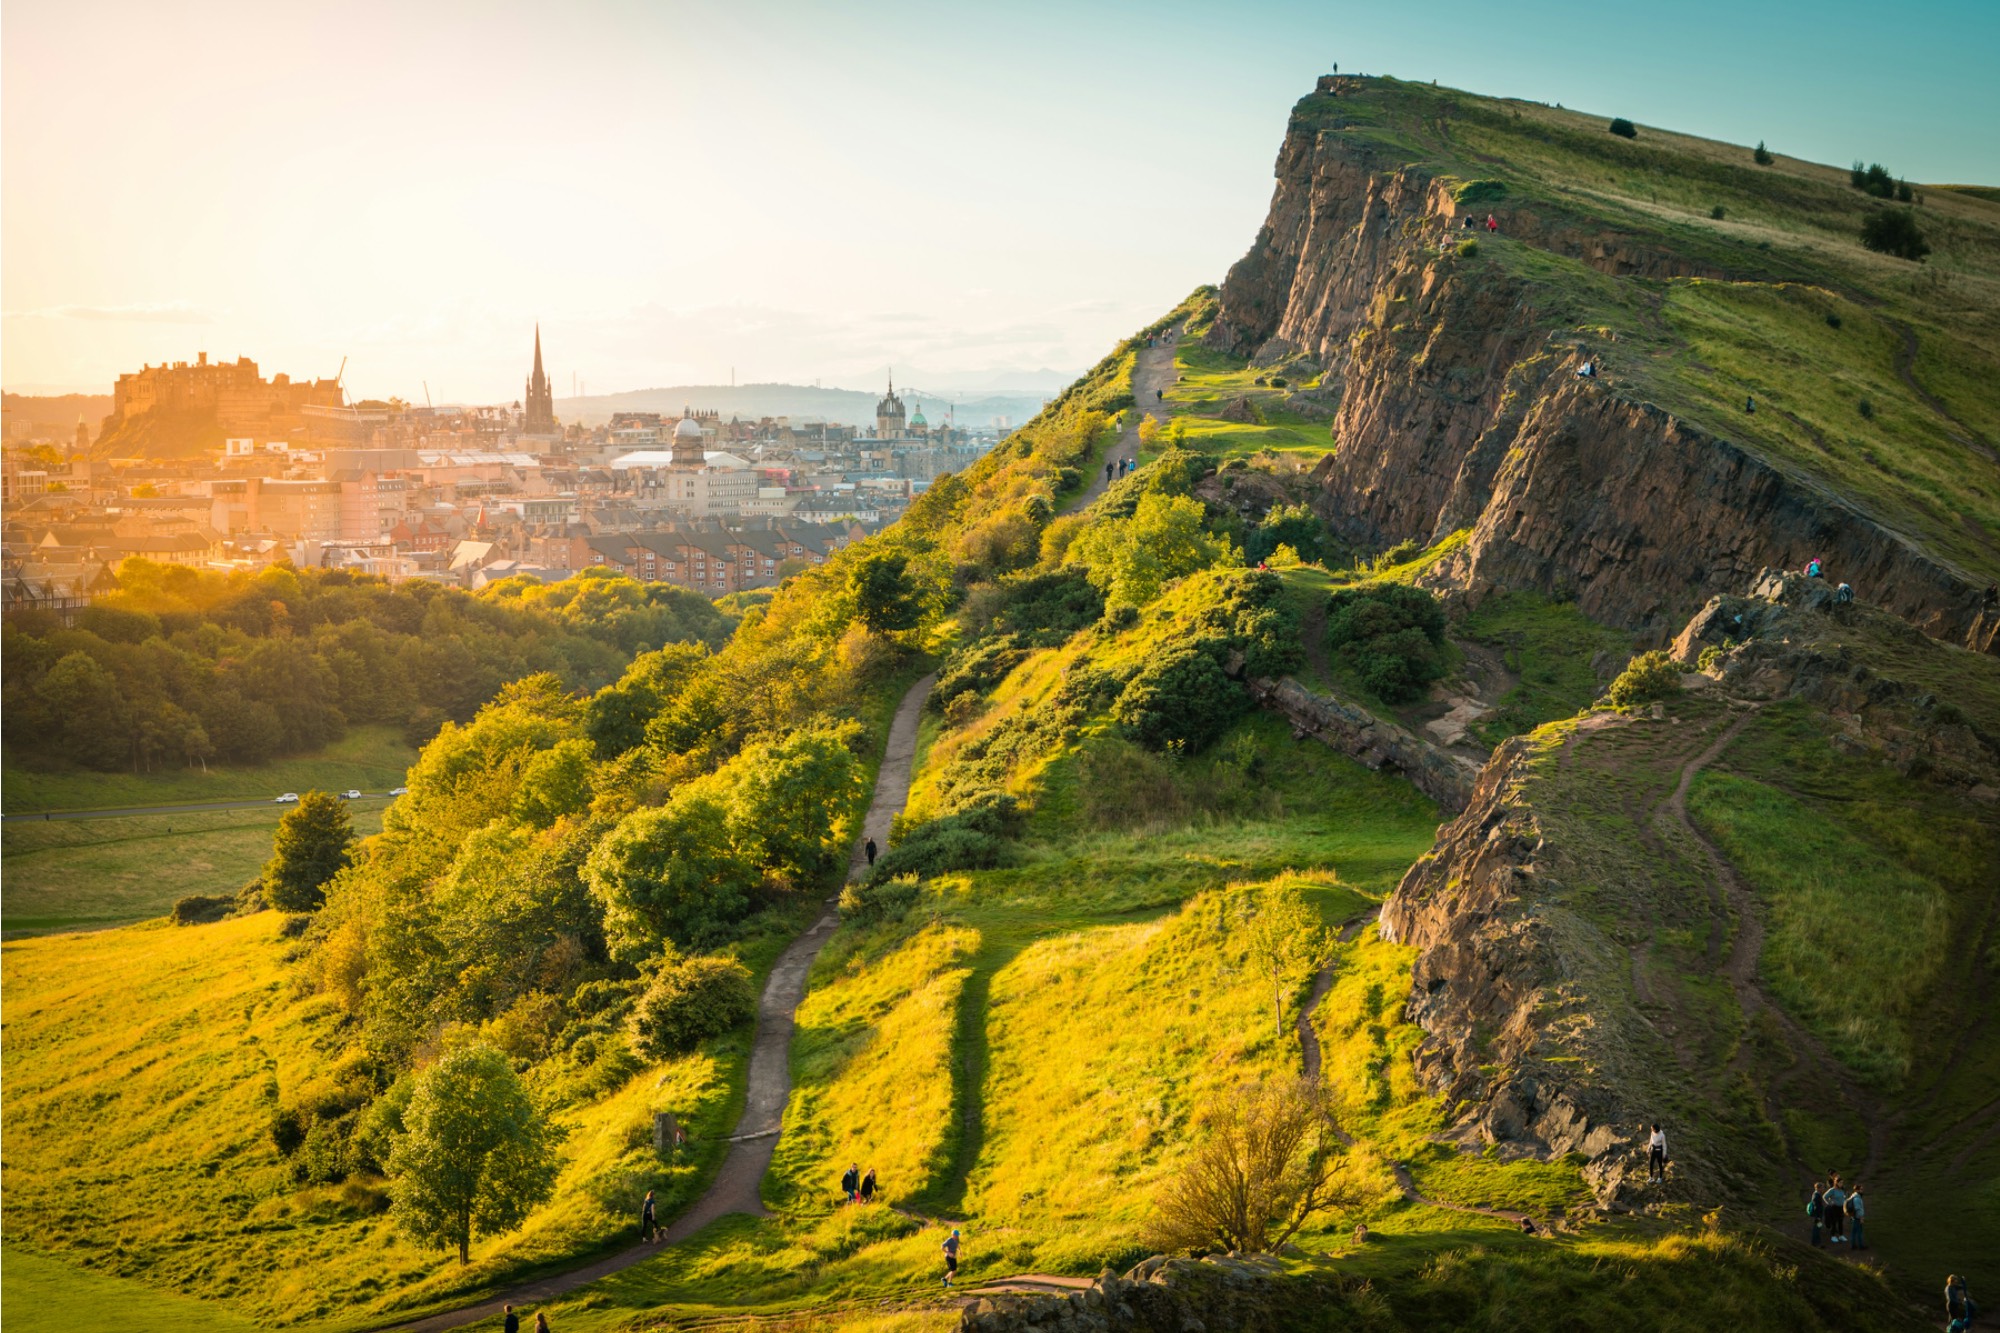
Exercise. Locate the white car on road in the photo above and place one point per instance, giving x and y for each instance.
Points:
(289, 798)
(350, 796)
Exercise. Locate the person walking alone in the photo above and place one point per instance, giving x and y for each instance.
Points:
(1856, 1215)
(869, 848)
(1656, 1156)
(647, 1228)
(950, 1248)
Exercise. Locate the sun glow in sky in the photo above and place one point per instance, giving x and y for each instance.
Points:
(974, 193)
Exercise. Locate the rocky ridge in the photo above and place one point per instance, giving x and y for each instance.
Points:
(1459, 409)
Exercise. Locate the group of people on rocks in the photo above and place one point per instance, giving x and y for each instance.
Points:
(1816, 569)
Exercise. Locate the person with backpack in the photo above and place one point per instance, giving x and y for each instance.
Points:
(868, 1186)
(950, 1248)
(1835, 1204)
(1813, 568)
(850, 1183)
(1959, 1307)
(1656, 1156)
(1816, 1210)
(647, 1227)
(1856, 1215)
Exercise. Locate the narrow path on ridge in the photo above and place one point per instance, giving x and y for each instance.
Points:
(1152, 376)
(737, 1186)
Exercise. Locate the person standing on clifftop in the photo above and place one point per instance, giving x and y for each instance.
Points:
(1656, 1156)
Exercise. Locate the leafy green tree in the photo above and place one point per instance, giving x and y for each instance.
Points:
(1285, 941)
(617, 715)
(88, 710)
(1393, 635)
(670, 872)
(554, 783)
(474, 1156)
(313, 844)
(1133, 560)
(791, 799)
(886, 598)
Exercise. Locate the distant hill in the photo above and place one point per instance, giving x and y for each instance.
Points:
(54, 416)
(850, 407)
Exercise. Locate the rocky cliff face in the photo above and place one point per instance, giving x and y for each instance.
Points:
(1460, 408)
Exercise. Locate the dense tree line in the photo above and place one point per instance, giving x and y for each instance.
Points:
(184, 667)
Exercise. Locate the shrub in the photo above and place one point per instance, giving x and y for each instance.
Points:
(1762, 155)
(200, 908)
(1391, 634)
(1295, 526)
(1893, 231)
(1623, 128)
(1718, 212)
(879, 900)
(1648, 677)
(1182, 699)
(1833, 319)
(972, 837)
(689, 1001)
(1047, 608)
(288, 1131)
(1267, 1163)
(1467, 248)
(322, 1155)
(975, 669)
(1875, 180)
(1867, 409)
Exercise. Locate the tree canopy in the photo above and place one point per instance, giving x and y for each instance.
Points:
(311, 846)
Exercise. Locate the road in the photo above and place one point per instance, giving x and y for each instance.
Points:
(191, 809)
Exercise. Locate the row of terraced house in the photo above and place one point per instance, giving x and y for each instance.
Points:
(706, 555)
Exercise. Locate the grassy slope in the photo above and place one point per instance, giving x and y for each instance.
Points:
(63, 874)
(368, 758)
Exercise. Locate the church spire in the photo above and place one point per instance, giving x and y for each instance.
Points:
(540, 418)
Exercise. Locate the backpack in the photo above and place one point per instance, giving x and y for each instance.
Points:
(1849, 1206)
(1814, 1205)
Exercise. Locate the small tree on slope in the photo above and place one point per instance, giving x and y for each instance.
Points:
(1269, 1161)
(473, 1155)
(1287, 943)
(311, 847)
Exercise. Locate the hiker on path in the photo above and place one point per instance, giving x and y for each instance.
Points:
(541, 1322)
(868, 1186)
(647, 1228)
(1492, 223)
(1835, 1201)
(950, 1248)
(869, 848)
(1656, 1156)
(1816, 1210)
(1109, 468)
(1843, 594)
(512, 1323)
(1959, 1307)
(850, 1183)
(1856, 1215)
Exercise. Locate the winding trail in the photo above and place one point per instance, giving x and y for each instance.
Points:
(1152, 375)
(737, 1186)
(1309, 1053)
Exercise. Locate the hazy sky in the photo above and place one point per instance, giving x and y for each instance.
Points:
(798, 190)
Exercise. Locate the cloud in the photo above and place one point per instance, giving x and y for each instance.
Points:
(169, 312)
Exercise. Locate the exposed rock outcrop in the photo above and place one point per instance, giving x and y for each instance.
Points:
(1249, 1294)
(1378, 744)
(1459, 409)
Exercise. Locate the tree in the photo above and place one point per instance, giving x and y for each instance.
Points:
(689, 1001)
(1391, 634)
(1894, 231)
(669, 872)
(88, 710)
(886, 599)
(1132, 560)
(1762, 156)
(312, 846)
(554, 783)
(473, 1154)
(1268, 1162)
(790, 796)
(1623, 128)
(1286, 943)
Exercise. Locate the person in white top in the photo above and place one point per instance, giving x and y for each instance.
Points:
(1656, 1156)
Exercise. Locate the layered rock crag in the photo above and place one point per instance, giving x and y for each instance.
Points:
(1460, 408)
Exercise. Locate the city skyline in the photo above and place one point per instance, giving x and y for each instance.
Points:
(674, 196)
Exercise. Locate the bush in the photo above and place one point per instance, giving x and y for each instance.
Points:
(1647, 678)
(883, 900)
(689, 1001)
(1867, 409)
(1046, 609)
(1623, 128)
(1183, 699)
(972, 837)
(1893, 231)
(201, 908)
(288, 1131)
(975, 669)
(322, 1155)
(1392, 635)
(1718, 212)
(1875, 180)
(1467, 248)
(1762, 155)
(1833, 319)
